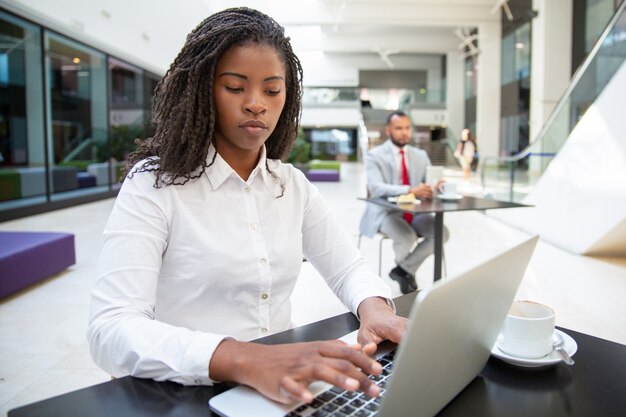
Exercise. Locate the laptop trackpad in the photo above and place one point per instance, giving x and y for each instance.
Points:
(243, 401)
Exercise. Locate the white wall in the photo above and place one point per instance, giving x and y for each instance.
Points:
(428, 117)
(331, 117)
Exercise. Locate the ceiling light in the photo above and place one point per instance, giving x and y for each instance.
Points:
(505, 6)
(76, 60)
(519, 45)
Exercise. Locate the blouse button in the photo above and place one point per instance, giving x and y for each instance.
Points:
(264, 296)
(247, 189)
(263, 330)
(254, 226)
(263, 261)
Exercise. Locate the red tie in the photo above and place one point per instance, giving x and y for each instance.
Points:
(405, 181)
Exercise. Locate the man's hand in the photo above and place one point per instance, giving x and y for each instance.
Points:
(378, 323)
(283, 372)
(422, 191)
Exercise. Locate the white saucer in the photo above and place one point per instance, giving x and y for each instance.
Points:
(551, 358)
(450, 196)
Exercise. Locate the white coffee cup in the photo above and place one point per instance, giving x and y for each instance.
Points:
(527, 330)
(448, 188)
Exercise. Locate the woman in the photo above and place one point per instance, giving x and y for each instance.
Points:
(465, 152)
(205, 242)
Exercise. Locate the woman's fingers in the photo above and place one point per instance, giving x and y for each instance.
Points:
(344, 374)
(293, 390)
(285, 371)
(358, 358)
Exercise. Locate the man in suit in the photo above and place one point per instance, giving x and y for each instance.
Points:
(395, 168)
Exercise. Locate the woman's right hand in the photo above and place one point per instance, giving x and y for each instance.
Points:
(283, 372)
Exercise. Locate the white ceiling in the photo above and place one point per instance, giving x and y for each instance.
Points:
(412, 26)
(152, 31)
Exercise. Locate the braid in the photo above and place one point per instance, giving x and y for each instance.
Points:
(183, 109)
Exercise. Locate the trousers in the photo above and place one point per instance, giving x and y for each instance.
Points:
(412, 243)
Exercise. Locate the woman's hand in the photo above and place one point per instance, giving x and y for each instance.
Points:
(283, 372)
(378, 323)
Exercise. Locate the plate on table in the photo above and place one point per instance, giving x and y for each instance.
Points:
(450, 196)
(551, 358)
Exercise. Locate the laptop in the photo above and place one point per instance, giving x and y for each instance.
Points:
(452, 328)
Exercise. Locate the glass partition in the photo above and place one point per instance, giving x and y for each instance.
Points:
(377, 98)
(316, 96)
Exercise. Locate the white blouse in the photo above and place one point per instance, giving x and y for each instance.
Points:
(184, 266)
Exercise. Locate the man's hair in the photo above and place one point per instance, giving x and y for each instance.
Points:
(394, 113)
(183, 108)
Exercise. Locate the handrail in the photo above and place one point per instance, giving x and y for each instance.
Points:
(559, 106)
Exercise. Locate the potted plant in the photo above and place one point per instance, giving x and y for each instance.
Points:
(300, 153)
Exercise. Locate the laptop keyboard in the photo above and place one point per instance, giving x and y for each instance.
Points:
(339, 402)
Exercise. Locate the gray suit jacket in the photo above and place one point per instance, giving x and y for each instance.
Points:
(383, 180)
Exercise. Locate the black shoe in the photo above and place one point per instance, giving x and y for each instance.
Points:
(406, 280)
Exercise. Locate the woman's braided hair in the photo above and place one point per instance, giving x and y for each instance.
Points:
(183, 108)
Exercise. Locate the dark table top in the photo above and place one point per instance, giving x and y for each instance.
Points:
(594, 386)
(437, 205)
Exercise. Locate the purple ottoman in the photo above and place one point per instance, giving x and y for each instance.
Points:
(85, 180)
(322, 175)
(29, 257)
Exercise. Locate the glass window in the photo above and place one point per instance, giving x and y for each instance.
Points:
(22, 143)
(127, 112)
(332, 144)
(78, 117)
(516, 55)
(150, 82)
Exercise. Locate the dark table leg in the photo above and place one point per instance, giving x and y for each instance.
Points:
(438, 243)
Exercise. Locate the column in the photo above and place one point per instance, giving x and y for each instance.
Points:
(455, 99)
(550, 62)
(489, 89)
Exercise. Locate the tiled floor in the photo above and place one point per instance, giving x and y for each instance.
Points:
(43, 351)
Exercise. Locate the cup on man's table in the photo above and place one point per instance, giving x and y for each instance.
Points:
(449, 189)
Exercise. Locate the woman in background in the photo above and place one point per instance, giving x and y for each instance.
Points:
(465, 152)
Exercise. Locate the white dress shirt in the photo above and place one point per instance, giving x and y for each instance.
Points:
(184, 266)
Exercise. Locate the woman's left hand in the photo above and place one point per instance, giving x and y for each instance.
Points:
(379, 323)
